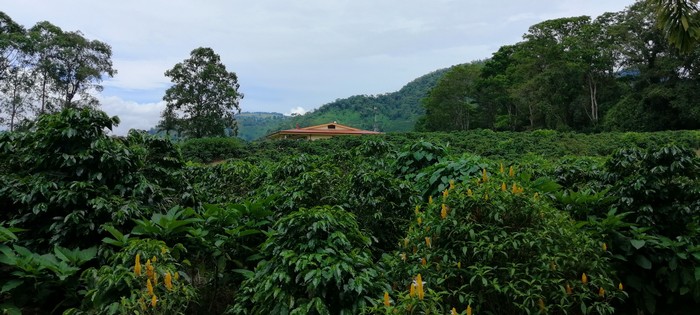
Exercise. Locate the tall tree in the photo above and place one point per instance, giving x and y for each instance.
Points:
(204, 95)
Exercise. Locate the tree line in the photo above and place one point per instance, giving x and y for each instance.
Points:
(44, 69)
(619, 71)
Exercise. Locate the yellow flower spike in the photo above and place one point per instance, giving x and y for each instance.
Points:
(387, 302)
(454, 311)
(405, 242)
(486, 196)
(149, 268)
(419, 287)
(419, 220)
(177, 276)
(163, 250)
(452, 184)
(511, 172)
(403, 256)
(514, 188)
(430, 200)
(459, 265)
(412, 290)
(536, 196)
(428, 242)
(154, 300)
(137, 265)
(484, 176)
(620, 287)
(153, 260)
(423, 261)
(601, 292)
(470, 192)
(501, 170)
(149, 286)
(155, 279)
(605, 247)
(503, 187)
(469, 310)
(568, 289)
(584, 278)
(445, 193)
(168, 281)
(417, 211)
(540, 303)
(443, 212)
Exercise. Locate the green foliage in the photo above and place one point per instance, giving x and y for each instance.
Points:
(659, 254)
(116, 287)
(206, 94)
(207, 150)
(501, 249)
(316, 262)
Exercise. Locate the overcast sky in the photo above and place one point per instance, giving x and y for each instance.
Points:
(291, 55)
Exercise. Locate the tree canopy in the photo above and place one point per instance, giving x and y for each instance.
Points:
(203, 98)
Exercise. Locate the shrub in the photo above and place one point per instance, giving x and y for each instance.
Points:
(497, 247)
(316, 262)
(207, 150)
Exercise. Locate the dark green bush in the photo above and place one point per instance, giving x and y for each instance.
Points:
(207, 150)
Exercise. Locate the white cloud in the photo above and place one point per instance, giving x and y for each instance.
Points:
(131, 114)
(296, 110)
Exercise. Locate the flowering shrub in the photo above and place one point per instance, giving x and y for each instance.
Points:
(492, 245)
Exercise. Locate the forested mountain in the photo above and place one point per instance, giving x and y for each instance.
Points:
(396, 111)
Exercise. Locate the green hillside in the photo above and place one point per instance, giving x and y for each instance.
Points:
(394, 112)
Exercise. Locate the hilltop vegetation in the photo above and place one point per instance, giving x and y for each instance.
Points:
(394, 112)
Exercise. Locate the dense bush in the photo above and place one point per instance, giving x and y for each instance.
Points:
(494, 245)
(317, 261)
(207, 150)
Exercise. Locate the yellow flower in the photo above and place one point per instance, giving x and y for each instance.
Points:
(387, 302)
(412, 290)
(163, 250)
(155, 279)
(443, 212)
(168, 281)
(620, 287)
(419, 220)
(540, 303)
(405, 242)
(445, 193)
(501, 170)
(584, 278)
(149, 269)
(403, 256)
(452, 184)
(503, 187)
(454, 311)
(154, 300)
(430, 200)
(486, 196)
(153, 259)
(484, 176)
(423, 261)
(149, 287)
(568, 289)
(459, 265)
(511, 172)
(601, 292)
(469, 310)
(605, 247)
(419, 287)
(536, 196)
(137, 266)
(177, 276)
(417, 211)
(514, 188)
(428, 242)
(470, 192)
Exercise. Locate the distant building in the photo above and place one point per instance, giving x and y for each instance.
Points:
(323, 131)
